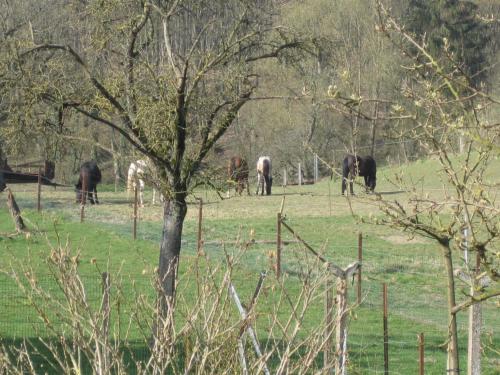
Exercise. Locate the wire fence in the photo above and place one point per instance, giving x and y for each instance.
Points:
(417, 299)
(416, 304)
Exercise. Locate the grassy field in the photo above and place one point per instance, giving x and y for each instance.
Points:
(411, 267)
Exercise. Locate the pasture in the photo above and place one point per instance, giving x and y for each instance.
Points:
(411, 267)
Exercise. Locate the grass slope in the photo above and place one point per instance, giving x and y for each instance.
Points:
(411, 267)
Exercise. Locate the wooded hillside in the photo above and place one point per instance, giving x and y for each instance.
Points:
(341, 89)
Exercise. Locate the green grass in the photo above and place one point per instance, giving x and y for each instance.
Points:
(412, 268)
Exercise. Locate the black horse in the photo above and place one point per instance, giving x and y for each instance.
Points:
(363, 166)
(90, 176)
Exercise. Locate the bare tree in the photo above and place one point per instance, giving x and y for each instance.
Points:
(169, 76)
(449, 113)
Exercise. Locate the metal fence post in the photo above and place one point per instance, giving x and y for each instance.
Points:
(39, 191)
(386, 331)
(360, 259)
(278, 246)
(134, 232)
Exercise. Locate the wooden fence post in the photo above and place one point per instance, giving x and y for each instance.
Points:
(105, 308)
(340, 326)
(39, 190)
(284, 177)
(329, 327)
(386, 331)
(200, 237)
(421, 354)
(15, 212)
(360, 260)
(278, 245)
(134, 232)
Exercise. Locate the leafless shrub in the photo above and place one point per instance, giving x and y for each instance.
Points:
(81, 334)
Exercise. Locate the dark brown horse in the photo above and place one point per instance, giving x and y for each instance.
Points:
(90, 176)
(362, 166)
(237, 170)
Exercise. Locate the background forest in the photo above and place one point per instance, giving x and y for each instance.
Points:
(293, 112)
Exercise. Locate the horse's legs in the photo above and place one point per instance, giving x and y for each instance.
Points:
(90, 196)
(346, 179)
(160, 196)
(367, 183)
(370, 184)
(248, 186)
(141, 192)
(258, 183)
(345, 176)
(95, 195)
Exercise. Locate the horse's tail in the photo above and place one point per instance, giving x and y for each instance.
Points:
(345, 173)
(266, 171)
(345, 168)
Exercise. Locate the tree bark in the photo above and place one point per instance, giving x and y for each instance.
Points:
(174, 213)
(15, 212)
(373, 129)
(116, 161)
(453, 364)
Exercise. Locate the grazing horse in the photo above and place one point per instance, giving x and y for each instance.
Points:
(90, 176)
(237, 170)
(363, 166)
(137, 172)
(264, 175)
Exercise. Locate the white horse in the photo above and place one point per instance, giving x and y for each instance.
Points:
(135, 179)
(264, 175)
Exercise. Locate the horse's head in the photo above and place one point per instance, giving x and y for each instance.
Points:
(372, 183)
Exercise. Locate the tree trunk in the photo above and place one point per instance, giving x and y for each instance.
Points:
(116, 161)
(374, 123)
(453, 364)
(174, 213)
(15, 212)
